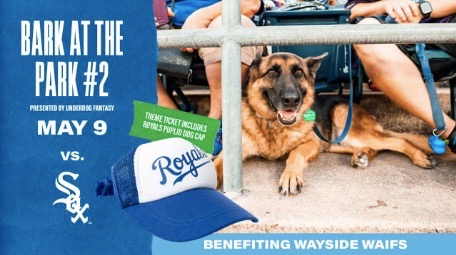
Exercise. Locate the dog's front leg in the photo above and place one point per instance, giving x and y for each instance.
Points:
(292, 180)
(218, 164)
(248, 149)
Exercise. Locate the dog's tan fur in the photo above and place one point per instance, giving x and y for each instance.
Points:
(264, 133)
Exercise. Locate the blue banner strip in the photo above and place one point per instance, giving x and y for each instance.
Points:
(311, 244)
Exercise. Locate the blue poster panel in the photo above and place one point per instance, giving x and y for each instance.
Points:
(70, 71)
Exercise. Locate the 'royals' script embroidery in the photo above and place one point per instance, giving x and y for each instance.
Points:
(187, 163)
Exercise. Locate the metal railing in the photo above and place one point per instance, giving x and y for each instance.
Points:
(231, 36)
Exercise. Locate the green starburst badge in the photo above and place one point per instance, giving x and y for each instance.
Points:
(309, 115)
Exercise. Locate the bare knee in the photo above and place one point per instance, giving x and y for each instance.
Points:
(367, 49)
(369, 21)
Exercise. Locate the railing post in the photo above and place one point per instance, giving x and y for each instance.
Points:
(231, 99)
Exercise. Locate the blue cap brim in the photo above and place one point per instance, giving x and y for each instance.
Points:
(188, 215)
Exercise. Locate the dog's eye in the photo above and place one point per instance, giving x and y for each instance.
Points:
(272, 73)
(299, 73)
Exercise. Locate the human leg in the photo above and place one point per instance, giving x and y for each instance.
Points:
(213, 67)
(399, 79)
(163, 97)
(214, 79)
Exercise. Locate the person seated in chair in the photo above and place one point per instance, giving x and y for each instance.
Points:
(200, 14)
(389, 66)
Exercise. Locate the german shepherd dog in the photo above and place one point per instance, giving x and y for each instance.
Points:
(279, 91)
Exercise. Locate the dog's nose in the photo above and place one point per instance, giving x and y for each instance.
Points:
(290, 99)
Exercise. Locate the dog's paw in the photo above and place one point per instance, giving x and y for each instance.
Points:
(360, 160)
(290, 183)
(425, 161)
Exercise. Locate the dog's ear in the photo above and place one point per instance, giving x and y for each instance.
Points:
(255, 68)
(315, 62)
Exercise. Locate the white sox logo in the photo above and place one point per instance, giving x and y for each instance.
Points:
(73, 201)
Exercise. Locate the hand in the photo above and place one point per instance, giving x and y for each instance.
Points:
(403, 11)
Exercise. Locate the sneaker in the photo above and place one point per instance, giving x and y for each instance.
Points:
(217, 143)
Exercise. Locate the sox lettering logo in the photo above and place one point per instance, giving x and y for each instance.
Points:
(73, 201)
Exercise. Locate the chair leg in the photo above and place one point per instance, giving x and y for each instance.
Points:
(172, 87)
(358, 84)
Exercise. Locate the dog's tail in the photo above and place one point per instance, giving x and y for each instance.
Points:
(421, 141)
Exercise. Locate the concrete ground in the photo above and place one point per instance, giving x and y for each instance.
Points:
(390, 196)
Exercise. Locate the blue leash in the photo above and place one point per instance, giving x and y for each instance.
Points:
(437, 145)
(350, 110)
(429, 80)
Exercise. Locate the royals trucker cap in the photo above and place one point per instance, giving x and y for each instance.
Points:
(168, 187)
